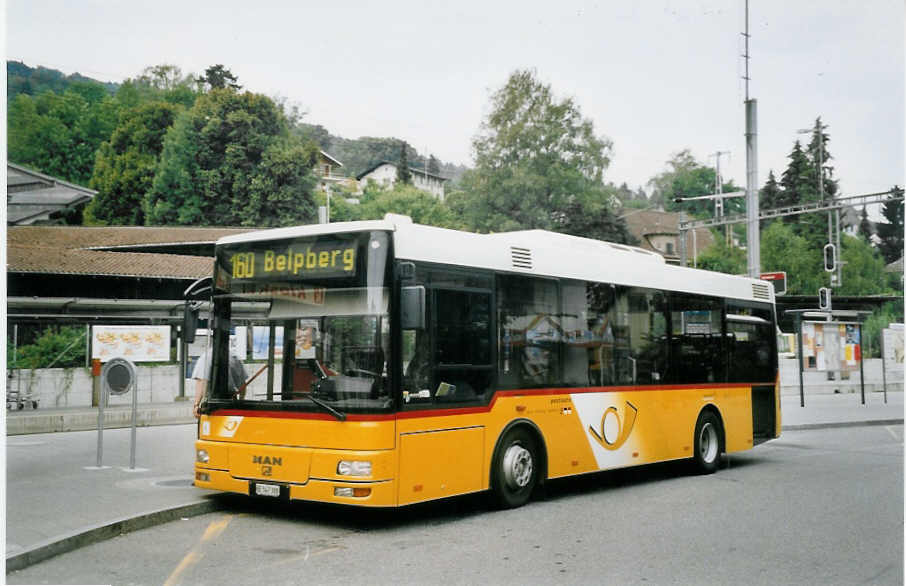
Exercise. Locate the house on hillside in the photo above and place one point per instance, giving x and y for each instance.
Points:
(36, 198)
(385, 172)
(330, 172)
(658, 232)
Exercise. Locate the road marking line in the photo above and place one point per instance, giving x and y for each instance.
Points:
(216, 528)
(890, 430)
(211, 532)
(191, 559)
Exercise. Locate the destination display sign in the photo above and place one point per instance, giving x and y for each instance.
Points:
(298, 260)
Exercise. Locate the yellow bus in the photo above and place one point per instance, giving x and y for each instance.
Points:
(401, 363)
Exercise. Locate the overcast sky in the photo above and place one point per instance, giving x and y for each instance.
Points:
(655, 76)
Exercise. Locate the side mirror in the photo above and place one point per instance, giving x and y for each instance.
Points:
(189, 323)
(412, 308)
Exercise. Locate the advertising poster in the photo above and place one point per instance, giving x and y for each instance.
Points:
(306, 338)
(260, 339)
(893, 349)
(831, 347)
(852, 346)
(134, 343)
(808, 346)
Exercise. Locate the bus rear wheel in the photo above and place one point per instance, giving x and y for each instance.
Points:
(516, 468)
(708, 442)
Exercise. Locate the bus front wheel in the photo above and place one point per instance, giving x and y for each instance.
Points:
(708, 442)
(516, 467)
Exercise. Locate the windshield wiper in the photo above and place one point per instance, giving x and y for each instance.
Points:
(335, 412)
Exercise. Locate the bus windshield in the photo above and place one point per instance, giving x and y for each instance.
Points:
(310, 332)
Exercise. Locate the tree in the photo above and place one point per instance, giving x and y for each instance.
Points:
(163, 77)
(819, 141)
(686, 177)
(163, 82)
(404, 199)
(59, 346)
(723, 258)
(594, 219)
(230, 160)
(218, 77)
(891, 231)
(771, 195)
(433, 165)
(865, 230)
(59, 134)
(125, 165)
(22, 79)
(783, 250)
(281, 190)
(863, 269)
(891, 312)
(800, 184)
(796, 179)
(534, 155)
(403, 175)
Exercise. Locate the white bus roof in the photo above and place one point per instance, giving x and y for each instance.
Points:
(534, 252)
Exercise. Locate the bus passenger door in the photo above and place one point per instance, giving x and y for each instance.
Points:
(447, 383)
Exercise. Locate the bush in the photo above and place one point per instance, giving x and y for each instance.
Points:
(57, 346)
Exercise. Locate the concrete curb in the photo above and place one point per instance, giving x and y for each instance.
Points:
(90, 535)
(808, 426)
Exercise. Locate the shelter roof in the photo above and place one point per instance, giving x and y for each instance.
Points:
(112, 251)
(36, 197)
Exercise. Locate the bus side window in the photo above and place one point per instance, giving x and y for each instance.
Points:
(462, 345)
(696, 348)
(752, 352)
(530, 332)
(450, 362)
(648, 336)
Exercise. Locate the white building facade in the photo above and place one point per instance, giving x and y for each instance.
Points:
(385, 174)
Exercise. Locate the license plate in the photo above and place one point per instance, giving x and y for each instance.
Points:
(267, 490)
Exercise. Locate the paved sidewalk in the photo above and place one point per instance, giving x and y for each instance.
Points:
(840, 410)
(55, 494)
(57, 501)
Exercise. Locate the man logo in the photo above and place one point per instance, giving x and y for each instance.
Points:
(614, 429)
(267, 464)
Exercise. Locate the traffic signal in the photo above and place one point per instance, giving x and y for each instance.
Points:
(830, 258)
(824, 299)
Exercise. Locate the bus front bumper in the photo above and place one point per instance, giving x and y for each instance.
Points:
(366, 494)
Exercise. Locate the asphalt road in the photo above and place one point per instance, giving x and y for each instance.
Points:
(814, 507)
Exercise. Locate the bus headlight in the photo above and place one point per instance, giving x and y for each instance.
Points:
(202, 456)
(354, 468)
(347, 491)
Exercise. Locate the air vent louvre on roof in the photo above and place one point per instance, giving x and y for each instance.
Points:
(760, 291)
(522, 257)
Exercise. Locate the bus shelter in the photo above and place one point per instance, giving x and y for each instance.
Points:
(829, 341)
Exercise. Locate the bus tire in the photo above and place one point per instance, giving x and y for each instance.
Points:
(516, 468)
(708, 444)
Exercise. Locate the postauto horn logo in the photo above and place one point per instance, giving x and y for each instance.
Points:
(615, 429)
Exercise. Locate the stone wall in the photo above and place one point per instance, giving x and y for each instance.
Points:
(71, 387)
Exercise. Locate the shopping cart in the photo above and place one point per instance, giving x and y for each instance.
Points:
(15, 397)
